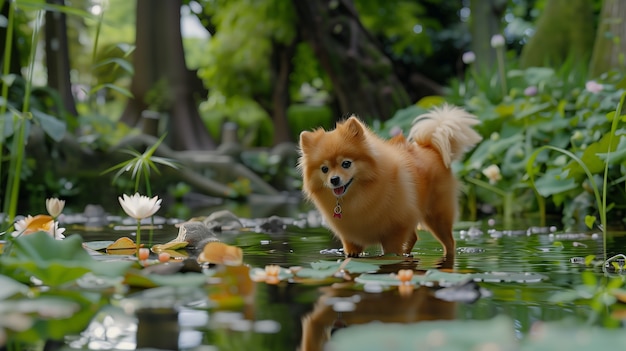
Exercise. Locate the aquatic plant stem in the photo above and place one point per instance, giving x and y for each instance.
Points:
(616, 118)
(507, 198)
(149, 193)
(501, 70)
(138, 234)
(19, 143)
(8, 44)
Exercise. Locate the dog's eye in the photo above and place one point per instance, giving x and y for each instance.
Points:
(324, 169)
(346, 164)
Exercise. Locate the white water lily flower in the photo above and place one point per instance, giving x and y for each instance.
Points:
(140, 206)
(492, 173)
(55, 206)
(39, 223)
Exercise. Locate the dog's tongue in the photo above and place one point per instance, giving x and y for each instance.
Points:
(339, 191)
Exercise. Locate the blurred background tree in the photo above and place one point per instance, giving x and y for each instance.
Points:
(191, 68)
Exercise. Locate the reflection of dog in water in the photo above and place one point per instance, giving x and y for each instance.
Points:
(341, 308)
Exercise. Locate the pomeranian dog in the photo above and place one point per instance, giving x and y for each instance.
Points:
(372, 191)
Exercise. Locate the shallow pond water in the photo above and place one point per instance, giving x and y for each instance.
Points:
(289, 315)
(524, 268)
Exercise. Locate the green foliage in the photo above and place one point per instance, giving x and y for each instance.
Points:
(54, 262)
(239, 59)
(141, 164)
(543, 107)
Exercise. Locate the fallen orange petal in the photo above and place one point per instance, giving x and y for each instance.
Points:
(122, 243)
(220, 253)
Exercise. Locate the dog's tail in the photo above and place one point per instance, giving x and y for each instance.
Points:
(448, 129)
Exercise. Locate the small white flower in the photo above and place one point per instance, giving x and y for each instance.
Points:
(39, 223)
(54, 206)
(492, 173)
(468, 57)
(497, 41)
(140, 206)
(593, 86)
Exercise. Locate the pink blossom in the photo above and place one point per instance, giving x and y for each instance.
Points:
(593, 86)
(530, 91)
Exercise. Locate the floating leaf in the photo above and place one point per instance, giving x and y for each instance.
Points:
(54, 262)
(122, 243)
(444, 279)
(429, 335)
(323, 269)
(178, 279)
(97, 245)
(10, 287)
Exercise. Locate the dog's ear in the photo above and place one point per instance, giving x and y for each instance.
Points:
(354, 128)
(307, 140)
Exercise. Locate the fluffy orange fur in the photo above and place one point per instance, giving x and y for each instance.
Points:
(373, 191)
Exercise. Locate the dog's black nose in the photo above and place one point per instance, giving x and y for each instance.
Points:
(335, 180)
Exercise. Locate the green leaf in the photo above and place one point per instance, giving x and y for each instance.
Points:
(591, 159)
(124, 64)
(589, 221)
(124, 92)
(552, 182)
(56, 314)
(51, 125)
(10, 287)
(451, 335)
(323, 269)
(55, 262)
(179, 279)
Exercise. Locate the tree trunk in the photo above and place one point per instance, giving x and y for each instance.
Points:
(161, 82)
(281, 69)
(564, 31)
(363, 77)
(485, 23)
(610, 44)
(57, 56)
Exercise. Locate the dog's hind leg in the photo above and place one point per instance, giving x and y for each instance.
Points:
(442, 230)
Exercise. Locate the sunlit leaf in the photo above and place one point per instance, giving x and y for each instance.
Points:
(590, 221)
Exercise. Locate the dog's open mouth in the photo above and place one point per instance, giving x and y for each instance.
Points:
(340, 190)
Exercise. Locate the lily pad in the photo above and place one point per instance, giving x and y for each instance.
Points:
(55, 262)
(323, 269)
(432, 335)
(10, 287)
(445, 279)
(97, 245)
